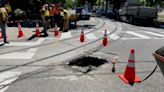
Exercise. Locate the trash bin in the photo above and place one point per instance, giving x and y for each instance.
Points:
(160, 51)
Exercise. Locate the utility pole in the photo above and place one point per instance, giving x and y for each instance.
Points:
(106, 9)
(99, 3)
(103, 4)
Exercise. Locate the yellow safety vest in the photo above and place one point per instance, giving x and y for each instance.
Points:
(8, 7)
(47, 13)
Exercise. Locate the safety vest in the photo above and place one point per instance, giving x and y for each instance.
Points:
(47, 13)
(3, 15)
(52, 11)
(66, 16)
(8, 7)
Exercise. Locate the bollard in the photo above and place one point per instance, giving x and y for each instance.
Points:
(114, 62)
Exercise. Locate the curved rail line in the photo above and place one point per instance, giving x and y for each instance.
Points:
(51, 56)
(94, 29)
(39, 60)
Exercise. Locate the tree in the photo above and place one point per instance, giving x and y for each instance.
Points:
(150, 2)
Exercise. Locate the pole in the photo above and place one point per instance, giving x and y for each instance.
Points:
(103, 4)
(99, 3)
(106, 7)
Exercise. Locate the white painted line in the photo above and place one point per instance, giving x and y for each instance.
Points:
(114, 37)
(3, 90)
(91, 36)
(7, 78)
(49, 38)
(131, 38)
(32, 50)
(19, 55)
(137, 34)
(156, 34)
(103, 31)
(86, 31)
(40, 41)
(141, 39)
(92, 19)
(161, 32)
(119, 27)
(25, 43)
(66, 35)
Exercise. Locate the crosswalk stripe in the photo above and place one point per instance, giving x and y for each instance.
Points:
(91, 36)
(131, 38)
(137, 34)
(104, 32)
(92, 19)
(7, 78)
(114, 37)
(65, 35)
(156, 34)
(141, 39)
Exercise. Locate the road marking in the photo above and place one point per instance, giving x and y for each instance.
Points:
(141, 39)
(92, 19)
(91, 36)
(156, 34)
(104, 32)
(26, 43)
(66, 35)
(19, 55)
(131, 38)
(114, 37)
(50, 38)
(137, 34)
(7, 78)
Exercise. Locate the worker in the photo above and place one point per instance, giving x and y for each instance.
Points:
(3, 22)
(52, 12)
(45, 14)
(56, 15)
(66, 21)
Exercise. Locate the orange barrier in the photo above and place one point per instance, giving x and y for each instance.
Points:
(105, 39)
(130, 76)
(37, 32)
(82, 37)
(20, 32)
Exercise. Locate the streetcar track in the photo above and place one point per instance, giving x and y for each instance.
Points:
(53, 42)
(51, 56)
(63, 52)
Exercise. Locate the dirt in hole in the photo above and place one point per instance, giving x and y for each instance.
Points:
(86, 64)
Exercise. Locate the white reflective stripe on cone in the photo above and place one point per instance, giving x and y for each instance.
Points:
(131, 56)
(131, 64)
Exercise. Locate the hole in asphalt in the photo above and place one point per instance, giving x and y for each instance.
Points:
(86, 64)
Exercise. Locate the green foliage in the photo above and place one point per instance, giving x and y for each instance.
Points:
(150, 2)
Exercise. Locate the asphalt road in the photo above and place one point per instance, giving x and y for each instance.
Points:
(53, 74)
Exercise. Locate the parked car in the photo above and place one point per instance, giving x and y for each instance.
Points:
(83, 13)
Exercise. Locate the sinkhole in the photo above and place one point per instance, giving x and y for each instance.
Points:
(87, 64)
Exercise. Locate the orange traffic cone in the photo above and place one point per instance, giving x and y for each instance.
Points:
(82, 38)
(20, 32)
(1, 35)
(129, 76)
(37, 32)
(105, 39)
(56, 31)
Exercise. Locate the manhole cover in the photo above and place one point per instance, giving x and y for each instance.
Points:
(86, 64)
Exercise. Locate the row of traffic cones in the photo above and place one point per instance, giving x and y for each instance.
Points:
(105, 40)
(37, 31)
(21, 34)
